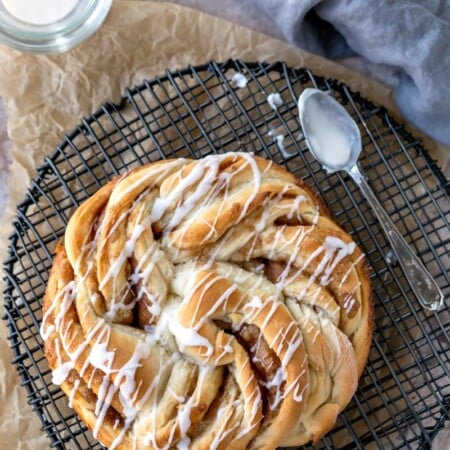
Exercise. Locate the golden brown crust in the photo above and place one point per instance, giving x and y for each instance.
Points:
(209, 303)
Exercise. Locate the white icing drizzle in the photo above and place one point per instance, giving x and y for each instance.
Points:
(337, 248)
(254, 303)
(351, 268)
(124, 384)
(60, 374)
(207, 174)
(68, 297)
(333, 251)
(278, 138)
(223, 416)
(295, 205)
(184, 204)
(161, 173)
(123, 257)
(239, 80)
(189, 337)
(178, 398)
(101, 358)
(274, 100)
(73, 392)
(197, 178)
(256, 183)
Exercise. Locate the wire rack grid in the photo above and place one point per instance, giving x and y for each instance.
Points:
(403, 397)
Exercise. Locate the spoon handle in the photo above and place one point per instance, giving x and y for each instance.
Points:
(422, 283)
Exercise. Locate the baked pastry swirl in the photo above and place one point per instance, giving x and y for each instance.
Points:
(209, 304)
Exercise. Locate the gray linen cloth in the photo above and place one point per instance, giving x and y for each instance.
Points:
(410, 38)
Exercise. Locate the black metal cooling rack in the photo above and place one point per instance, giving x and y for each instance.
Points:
(403, 397)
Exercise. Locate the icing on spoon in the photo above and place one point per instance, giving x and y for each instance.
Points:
(334, 139)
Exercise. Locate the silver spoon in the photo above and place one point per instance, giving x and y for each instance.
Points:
(335, 141)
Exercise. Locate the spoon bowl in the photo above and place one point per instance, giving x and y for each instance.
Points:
(334, 139)
(331, 134)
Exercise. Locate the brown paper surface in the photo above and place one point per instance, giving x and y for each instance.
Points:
(45, 96)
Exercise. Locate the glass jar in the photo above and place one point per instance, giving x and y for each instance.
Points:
(44, 30)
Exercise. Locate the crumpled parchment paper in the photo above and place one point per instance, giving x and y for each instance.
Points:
(46, 95)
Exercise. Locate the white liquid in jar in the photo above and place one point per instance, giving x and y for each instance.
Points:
(327, 136)
(39, 12)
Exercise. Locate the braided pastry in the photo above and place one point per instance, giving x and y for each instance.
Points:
(208, 304)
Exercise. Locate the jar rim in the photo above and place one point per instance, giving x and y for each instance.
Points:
(59, 36)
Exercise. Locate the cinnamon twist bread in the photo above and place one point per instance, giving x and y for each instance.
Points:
(208, 304)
